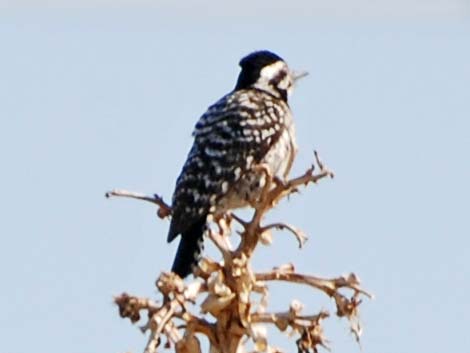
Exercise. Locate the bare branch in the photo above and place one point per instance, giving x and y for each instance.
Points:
(329, 286)
(345, 307)
(163, 211)
(243, 223)
(226, 290)
(308, 326)
(301, 237)
(279, 318)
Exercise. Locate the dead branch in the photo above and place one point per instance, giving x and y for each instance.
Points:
(300, 236)
(164, 209)
(307, 326)
(329, 286)
(229, 314)
(273, 192)
(345, 307)
(282, 320)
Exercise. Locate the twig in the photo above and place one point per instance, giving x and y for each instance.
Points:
(242, 222)
(309, 327)
(221, 244)
(163, 211)
(273, 191)
(329, 286)
(301, 237)
(276, 318)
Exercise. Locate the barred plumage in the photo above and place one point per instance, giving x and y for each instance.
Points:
(251, 125)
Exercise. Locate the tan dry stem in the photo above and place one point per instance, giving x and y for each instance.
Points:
(229, 315)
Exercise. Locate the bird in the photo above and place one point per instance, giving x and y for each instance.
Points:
(250, 126)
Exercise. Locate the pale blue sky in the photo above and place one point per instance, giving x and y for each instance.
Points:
(97, 95)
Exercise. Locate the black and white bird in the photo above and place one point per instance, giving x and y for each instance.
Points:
(250, 126)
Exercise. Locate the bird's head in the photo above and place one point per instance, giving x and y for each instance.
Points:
(268, 72)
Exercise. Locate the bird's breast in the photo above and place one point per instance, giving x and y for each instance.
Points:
(247, 190)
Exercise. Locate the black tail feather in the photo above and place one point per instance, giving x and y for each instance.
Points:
(189, 250)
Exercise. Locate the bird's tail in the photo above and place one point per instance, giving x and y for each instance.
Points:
(189, 250)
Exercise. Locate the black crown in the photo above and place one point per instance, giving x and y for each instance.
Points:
(251, 66)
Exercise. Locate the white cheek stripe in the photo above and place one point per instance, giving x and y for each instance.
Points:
(271, 70)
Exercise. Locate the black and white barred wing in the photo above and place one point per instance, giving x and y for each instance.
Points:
(233, 135)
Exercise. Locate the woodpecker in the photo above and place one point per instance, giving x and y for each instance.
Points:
(250, 126)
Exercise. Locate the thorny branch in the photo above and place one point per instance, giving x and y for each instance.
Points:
(226, 287)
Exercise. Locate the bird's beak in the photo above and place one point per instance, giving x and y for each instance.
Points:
(297, 75)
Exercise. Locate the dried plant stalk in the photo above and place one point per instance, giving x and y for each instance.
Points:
(229, 315)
